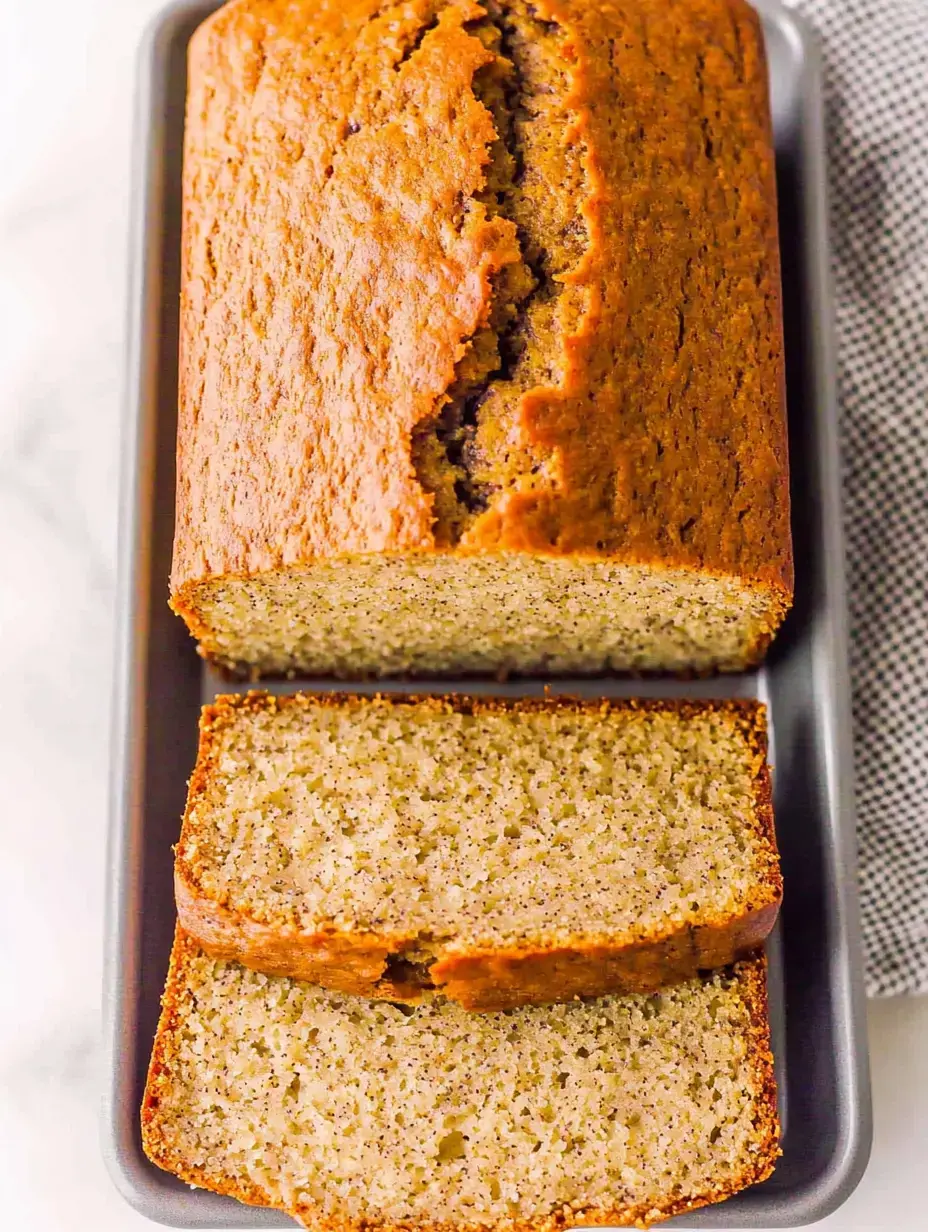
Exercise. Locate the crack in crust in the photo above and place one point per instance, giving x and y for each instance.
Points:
(424, 31)
(454, 459)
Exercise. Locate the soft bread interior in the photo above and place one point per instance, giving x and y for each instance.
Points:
(341, 1108)
(452, 613)
(490, 828)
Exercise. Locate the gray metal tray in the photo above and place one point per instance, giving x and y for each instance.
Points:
(816, 992)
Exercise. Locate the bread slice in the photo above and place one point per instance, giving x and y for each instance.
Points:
(501, 852)
(351, 1114)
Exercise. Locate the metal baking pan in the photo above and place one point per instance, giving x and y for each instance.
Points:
(816, 990)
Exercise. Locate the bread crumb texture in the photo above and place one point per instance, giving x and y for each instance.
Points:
(481, 822)
(480, 304)
(350, 1113)
(479, 614)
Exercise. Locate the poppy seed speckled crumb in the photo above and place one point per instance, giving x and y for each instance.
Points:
(353, 1114)
(498, 852)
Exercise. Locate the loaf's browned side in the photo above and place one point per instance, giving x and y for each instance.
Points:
(160, 1150)
(351, 962)
(371, 963)
(324, 142)
(502, 979)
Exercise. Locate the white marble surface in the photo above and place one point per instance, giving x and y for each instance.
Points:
(66, 74)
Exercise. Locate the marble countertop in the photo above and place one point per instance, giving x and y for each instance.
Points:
(66, 90)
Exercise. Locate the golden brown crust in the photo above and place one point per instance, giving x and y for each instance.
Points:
(302, 377)
(373, 963)
(500, 979)
(753, 978)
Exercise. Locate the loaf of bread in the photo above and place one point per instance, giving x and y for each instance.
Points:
(481, 346)
(497, 852)
(355, 1114)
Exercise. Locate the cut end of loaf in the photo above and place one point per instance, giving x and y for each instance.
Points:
(457, 613)
(356, 1113)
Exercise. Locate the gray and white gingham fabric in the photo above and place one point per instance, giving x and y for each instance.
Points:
(876, 76)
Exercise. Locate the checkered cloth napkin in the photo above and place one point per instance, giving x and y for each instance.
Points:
(876, 80)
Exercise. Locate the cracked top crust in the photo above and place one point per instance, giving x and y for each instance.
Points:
(480, 276)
